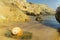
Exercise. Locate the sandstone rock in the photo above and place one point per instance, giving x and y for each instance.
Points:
(32, 8)
(10, 13)
(46, 9)
(39, 18)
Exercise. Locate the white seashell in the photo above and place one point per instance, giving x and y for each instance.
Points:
(16, 30)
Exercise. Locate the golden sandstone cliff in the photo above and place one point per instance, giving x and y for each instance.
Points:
(11, 13)
(16, 10)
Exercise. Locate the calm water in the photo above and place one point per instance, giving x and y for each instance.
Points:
(51, 21)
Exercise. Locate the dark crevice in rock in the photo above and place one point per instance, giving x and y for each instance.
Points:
(32, 14)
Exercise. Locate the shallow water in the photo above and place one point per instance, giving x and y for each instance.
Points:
(51, 21)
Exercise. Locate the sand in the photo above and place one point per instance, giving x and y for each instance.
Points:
(39, 31)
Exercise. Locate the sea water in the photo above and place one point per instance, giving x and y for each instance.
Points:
(51, 22)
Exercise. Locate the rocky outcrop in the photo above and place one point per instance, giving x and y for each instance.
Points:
(35, 9)
(57, 15)
(10, 13)
(41, 9)
(16, 10)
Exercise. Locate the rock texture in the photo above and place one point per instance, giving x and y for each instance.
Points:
(11, 13)
(16, 10)
(57, 15)
(35, 9)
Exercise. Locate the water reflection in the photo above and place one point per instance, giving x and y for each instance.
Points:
(51, 21)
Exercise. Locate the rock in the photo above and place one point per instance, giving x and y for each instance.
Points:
(39, 9)
(39, 18)
(10, 13)
(15, 11)
(57, 15)
(35, 9)
(46, 9)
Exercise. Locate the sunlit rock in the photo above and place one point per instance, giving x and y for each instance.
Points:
(32, 8)
(10, 13)
(46, 10)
